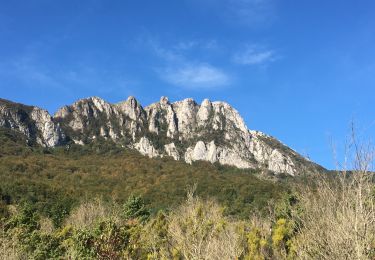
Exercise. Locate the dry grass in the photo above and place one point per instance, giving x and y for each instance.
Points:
(9, 249)
(89, 213)
(46, 225)
(197, 229)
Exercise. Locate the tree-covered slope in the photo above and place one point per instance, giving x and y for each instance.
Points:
(55, 179)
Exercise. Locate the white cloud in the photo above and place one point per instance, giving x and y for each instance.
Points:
(196, 76)
(253, 55)
(192, 73)
(177, 52)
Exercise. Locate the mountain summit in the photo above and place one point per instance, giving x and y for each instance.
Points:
(184, 130)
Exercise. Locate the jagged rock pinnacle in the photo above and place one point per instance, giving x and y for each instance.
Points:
(211, 131)
(164, 100)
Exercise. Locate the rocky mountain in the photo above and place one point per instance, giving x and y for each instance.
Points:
(184, 130)
(33, 122)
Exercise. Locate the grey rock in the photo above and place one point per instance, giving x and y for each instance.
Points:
(50, 133)
(145, 147)
(171, 150)
(184, 130)
(35, 123)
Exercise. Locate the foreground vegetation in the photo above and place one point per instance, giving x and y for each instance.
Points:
(335, 223)
(104, 202)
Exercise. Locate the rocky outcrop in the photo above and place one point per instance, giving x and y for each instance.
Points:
(50, 133)
(132, 109)
(16, 117)
(90, 118)
(171, 150)
(162, 118)
(210, 152)
(35, 123)
(184, 130)
(145, 147)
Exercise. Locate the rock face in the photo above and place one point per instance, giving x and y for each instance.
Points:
(88, 119)
(184, 130)
(35, 123)
(50, 133)
(171, 150)
(145, 147)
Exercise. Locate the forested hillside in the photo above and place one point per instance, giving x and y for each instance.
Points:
(102, 201)
(56, 179)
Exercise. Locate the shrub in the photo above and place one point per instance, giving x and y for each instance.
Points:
(198, 230)
(258, 239)
(10, 249)
(338, 217)
(135, 208)
(89, 213)
(106, 240)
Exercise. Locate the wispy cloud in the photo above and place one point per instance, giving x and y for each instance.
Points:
(186, 45)
(196, 44)
(244, 12)
(178, 51)
(254, 55)
(168, 55)
(30, 72)
(252, 12)
(193, 73)
(25, 69)
(196, 76)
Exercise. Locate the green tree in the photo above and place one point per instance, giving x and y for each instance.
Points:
(135, 208)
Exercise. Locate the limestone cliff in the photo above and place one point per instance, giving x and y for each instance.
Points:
(35, 123)
(184, 130)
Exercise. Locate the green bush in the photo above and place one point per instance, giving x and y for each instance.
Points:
(135, 208)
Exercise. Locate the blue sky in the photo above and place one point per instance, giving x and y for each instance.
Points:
(298, 70)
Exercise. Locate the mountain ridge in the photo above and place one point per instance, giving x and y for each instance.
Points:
(184, 130)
